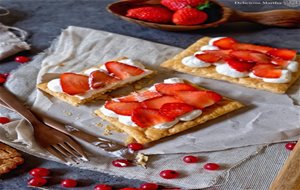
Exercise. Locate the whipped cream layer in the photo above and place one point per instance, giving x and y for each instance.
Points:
(55, 85)
(126, 120)
(224, 69)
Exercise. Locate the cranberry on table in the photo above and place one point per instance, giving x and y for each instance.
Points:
(211, 166)
(4, 75)
(149, 186)
(2, 80)
(22, 59)
(121, 163)
(39, 172)
(169, 174)
(4, 120)
(103, 187)
(190, 159)
(135, 146)
(69, 183)
(290, 146)
(37, 182)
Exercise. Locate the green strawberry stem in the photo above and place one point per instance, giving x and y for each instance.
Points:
(206, 5)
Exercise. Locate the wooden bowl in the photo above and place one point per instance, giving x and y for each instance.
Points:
(220, 15)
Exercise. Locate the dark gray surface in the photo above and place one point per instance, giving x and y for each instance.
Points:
(44, 20)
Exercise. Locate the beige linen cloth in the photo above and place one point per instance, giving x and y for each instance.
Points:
(269, 117)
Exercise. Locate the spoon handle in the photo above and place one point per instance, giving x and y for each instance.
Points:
(280, 18)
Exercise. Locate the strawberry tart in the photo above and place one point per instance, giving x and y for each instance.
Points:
(165, 109)
(93, 83)
(250, 65)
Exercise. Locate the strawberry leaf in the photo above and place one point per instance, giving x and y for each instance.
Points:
(206, 5)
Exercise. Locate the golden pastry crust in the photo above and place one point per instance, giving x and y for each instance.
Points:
(210, 72)
(9, 158)
(146, 135)
(75, 101)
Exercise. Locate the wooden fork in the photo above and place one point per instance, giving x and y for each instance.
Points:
(58, 144)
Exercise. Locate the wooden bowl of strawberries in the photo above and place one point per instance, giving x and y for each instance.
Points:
(171, 15)
(184, 15)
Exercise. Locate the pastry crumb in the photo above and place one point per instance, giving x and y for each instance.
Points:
(99, 124)
(107, 132)
(142, 159)
(67, 113)
(114, 128)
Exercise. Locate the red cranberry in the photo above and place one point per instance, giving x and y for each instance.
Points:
(149, 186)
(103, 187)
(37, 182)
(211, 166)
(5, 75)
(121, 163)
(135, 146)
(2, 80)
(69, 183)
(22, 59)
(39, 172)
(190, 159)
(290, 146)
(169, 174)
(4, 120)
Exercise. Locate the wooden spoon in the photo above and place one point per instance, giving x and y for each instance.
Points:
(280, 18)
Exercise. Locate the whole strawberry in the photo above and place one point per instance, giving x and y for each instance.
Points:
(189, 16)
(151, 14)
(175, 5)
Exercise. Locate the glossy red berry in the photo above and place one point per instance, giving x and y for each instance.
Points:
(22, 59)
(5, 75)
(103, 187)
(149, 186)
(69, 183)
(121, 163)
(169, 174)
(2, 80)
(4, 120)
(190, 159)
(37, 182)
(135, 146)
(290, 146)
(39, 172)
(211, 166)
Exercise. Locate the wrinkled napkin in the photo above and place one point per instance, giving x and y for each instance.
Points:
(10, 43)
(268, 117)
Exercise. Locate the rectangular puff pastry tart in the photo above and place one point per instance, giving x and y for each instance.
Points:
(250, 65)
(93, 83)
(165, 109)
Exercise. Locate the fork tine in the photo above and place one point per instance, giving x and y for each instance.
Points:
(70, 150)
(78, 149)
(56, 154)
(64, 152)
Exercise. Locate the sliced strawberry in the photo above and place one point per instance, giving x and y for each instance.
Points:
(139, 97)
(122, 70)
(280, 62)
(174, 110)
(98, 79)
(266, 71)
(250, 56)
(251, 47)
(199, 99)
(170, 89)
(208, 58)
(122, 108)
(225, 43)
(175, 5)
(286, 54)
(144, 117)
(72, 83)
(156, 103)
(240, 66)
